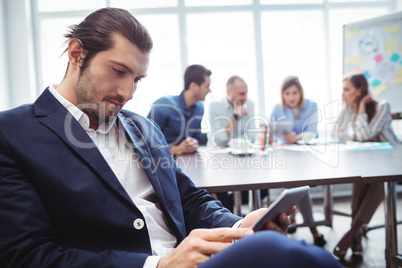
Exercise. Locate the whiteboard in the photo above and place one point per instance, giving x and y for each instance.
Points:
(374, 47)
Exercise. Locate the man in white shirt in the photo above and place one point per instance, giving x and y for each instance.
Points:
(84, 183)
(232, 116)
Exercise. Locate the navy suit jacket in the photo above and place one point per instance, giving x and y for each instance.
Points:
(61, 205)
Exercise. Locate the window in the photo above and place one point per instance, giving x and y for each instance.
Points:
(286, 2)
(53, 63)
(143, 4)
(262, 41)
(293, 44)
(164, 75)
(70, 5)
(226, 54)
(217, 2)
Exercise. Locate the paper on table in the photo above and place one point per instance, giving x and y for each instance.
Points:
(353, 146)
(214, 150)
(350, 146)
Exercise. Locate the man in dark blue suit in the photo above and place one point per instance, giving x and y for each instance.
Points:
(86, 184)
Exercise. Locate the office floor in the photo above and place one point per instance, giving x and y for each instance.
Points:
(373, 245)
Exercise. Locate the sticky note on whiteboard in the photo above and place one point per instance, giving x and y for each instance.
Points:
(398, 76)
(355, 60)
(398, 80)
(379, 89)
(390, 46)
(378, 58)
(394, 29)
(376, 83)
(352, 33)
(395, 57)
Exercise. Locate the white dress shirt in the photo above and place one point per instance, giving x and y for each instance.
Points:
(114, 147)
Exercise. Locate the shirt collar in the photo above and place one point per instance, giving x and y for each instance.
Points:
(226, 103)
(183, 105)
(79, 115)
(182, 102)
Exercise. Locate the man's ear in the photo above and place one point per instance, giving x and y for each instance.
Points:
(193, 86)
(76, 52)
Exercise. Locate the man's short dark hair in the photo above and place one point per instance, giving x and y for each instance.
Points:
(96, 32)
(195, 73)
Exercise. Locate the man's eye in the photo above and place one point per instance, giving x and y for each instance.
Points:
(119, 72)
(137, 79)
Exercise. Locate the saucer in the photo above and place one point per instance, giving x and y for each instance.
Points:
(240, 152)
(309, 142)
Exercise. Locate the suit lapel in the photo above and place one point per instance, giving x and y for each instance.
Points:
(56, 117)
(141, 148)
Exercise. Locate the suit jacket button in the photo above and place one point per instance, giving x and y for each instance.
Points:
(138, 224)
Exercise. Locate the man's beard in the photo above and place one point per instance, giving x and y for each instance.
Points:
(86, 93)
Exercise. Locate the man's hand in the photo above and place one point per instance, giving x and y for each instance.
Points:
(283, 220)
(291, 137)
(240, 108)
(200, 245)
(189, 145)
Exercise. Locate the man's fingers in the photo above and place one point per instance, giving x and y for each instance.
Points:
(221, 234)
(274, 227)
(192, 142)
(210, 248)
(293, 210)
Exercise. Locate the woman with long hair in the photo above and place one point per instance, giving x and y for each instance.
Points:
(362, 119)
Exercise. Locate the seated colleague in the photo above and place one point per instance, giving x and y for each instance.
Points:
(302, 113)
(362, 119)
(79, 185)
(231, 115)
(179, 117)
(294, 108)
(229, 118)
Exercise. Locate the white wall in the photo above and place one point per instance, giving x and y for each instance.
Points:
(4, 86)
(21, 75)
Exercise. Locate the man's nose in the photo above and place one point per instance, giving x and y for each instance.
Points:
(126, 90)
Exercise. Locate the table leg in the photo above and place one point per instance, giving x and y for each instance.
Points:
(237, 203)
(254, 199)
(328, 205)
(391, 243)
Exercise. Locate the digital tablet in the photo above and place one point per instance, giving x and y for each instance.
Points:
(278, 130)
(284, 203)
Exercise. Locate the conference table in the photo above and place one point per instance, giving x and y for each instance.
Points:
(219, 170)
